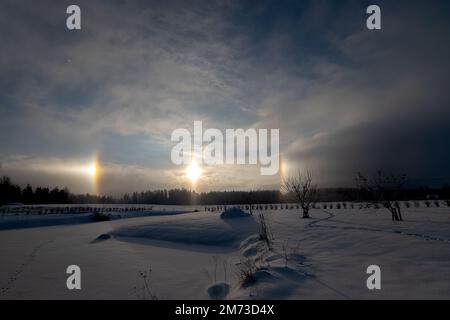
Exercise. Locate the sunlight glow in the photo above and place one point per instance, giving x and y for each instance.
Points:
(93, 171)
(193, 172)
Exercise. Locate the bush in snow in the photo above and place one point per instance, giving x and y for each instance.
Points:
(246, 272)
(264, 231)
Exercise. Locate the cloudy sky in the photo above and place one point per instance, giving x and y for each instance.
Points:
(345, 99)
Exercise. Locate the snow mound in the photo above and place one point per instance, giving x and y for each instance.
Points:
(268, 273)
(253, 249)
(192, 229)
(233, 213)
(250, 240)
(263, 275)
(219, 290)
(102, 237)
(100, 216)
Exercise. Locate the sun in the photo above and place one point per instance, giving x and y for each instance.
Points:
(92, 170)
(193, 172)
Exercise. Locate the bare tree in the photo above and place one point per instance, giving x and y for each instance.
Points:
(302, 190)
(384, 190)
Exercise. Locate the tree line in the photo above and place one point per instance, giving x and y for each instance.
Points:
(13, 193)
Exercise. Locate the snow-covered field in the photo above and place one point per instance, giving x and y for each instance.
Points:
(198, 255)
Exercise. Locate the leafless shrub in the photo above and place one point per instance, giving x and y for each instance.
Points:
(265, 234)
(288, 251)
(383, 190)
(215, 261)
(225, 269)
(213, 277)
(284, 252)
(246, 271)
(302, 190)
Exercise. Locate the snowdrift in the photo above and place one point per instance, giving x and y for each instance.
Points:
(233, 213)
(34, 220)
(204, 229)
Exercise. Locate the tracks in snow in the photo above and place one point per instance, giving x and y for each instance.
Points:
(12, 279)
(314, 224)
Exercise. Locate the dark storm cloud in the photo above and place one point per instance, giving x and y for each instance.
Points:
(393, 100)
(416, 147)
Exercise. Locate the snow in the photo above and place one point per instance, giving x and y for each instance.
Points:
(101, 237)
(25, 219)
(233, 213)
(196, 230)
(198, 255)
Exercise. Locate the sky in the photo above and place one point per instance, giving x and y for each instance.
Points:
(94, 109)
